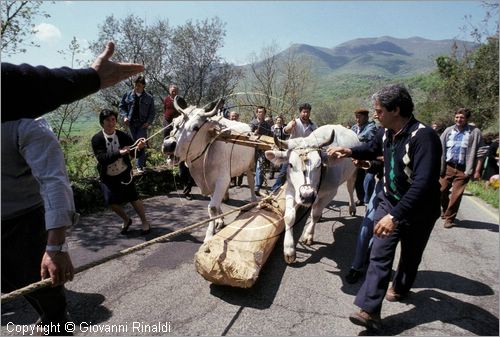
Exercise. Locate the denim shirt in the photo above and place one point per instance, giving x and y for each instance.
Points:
(34, 173)
(146, 107)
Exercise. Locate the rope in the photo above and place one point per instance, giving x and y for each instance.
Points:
(48, 282)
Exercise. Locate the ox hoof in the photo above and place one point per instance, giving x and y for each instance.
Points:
(219, 224)
(289, 259)
(308, 241)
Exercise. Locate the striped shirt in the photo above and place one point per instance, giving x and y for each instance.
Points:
(456, 145)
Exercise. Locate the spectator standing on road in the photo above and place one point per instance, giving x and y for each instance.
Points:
(37, 200)
(365, 234)
(409, 206)
(278, 132)
(112, 150)
(169, 112)
(260, 127)
(235, 181)
(460, 162)
(303, 125)
(490, 167)
(137, 111)
(365, 181)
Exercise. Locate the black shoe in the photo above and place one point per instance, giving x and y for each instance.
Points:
(188, 196)
(146, 231)
(125, 227)
(257, 192)
(360, 203)
(353, 276)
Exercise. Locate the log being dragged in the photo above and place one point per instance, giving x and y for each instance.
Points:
(237, 253)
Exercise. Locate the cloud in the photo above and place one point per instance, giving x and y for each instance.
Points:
(46, 32)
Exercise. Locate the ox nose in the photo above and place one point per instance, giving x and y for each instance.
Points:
(307, 194)
(168, 146)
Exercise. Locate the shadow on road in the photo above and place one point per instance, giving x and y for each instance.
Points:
(477, 225)
(430, 306)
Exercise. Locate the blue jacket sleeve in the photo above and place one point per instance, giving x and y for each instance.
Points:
(47, 89)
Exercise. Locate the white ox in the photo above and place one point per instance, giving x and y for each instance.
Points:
(211, 163)
(313, 178)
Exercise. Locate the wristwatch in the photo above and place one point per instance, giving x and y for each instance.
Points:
(57, 248)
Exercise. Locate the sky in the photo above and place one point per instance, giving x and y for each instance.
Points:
(253, 25)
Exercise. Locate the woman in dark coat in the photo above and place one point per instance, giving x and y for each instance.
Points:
(112, 150)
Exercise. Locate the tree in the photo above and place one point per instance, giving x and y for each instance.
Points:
(17, 24)
(278, 81)
(185, 55)
(63, 118)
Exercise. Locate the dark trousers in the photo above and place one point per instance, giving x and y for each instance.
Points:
(136, 132)
(186, 178)
(414, 236)
(456, 180)
(359, 184)
(23, 244)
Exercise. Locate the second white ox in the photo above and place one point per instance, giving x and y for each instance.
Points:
(211, 163)
(313, 178)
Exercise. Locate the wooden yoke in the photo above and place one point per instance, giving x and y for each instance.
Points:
(257, 141)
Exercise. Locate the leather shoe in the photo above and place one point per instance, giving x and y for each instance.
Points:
(360, 203)
(125, 227)
(448, 224)
(363, 318)
(353, 276)
(393, 296)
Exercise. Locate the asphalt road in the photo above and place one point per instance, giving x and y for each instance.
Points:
(157, 291)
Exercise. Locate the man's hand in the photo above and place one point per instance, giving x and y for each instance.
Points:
(338, 152)
(384, 227)
(111, 72)
(57, 266)
(141, 144)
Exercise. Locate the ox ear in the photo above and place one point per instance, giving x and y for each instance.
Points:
(276, 157)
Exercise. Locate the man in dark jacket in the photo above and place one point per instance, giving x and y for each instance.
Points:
(409, 205)
(138, 112)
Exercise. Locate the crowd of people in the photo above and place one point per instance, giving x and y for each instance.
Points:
(409, 174)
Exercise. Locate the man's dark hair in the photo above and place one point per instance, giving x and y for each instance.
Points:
(105, 113)
(261, 107)
(305, 106)
(393, 96)
(140, 79)
(464, 111)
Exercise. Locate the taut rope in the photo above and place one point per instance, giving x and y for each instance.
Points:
(48, 282)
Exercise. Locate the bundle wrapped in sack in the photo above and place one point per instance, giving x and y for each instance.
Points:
(236, 254)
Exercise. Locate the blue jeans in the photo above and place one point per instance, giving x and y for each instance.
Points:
(136, 132)
(259, 168)
(366, 230)
(368, 186)
(280, 180)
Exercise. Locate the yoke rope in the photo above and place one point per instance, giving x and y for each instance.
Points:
(48, 282)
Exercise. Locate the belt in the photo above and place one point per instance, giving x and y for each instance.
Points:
(460, 167)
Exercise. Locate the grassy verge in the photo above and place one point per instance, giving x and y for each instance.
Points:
(484, 192)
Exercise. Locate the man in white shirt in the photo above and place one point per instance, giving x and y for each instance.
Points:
(302, 126)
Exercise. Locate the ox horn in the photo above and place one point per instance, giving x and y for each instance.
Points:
(328, 142)
(180, 104)
(281, 144)
(213, 112)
